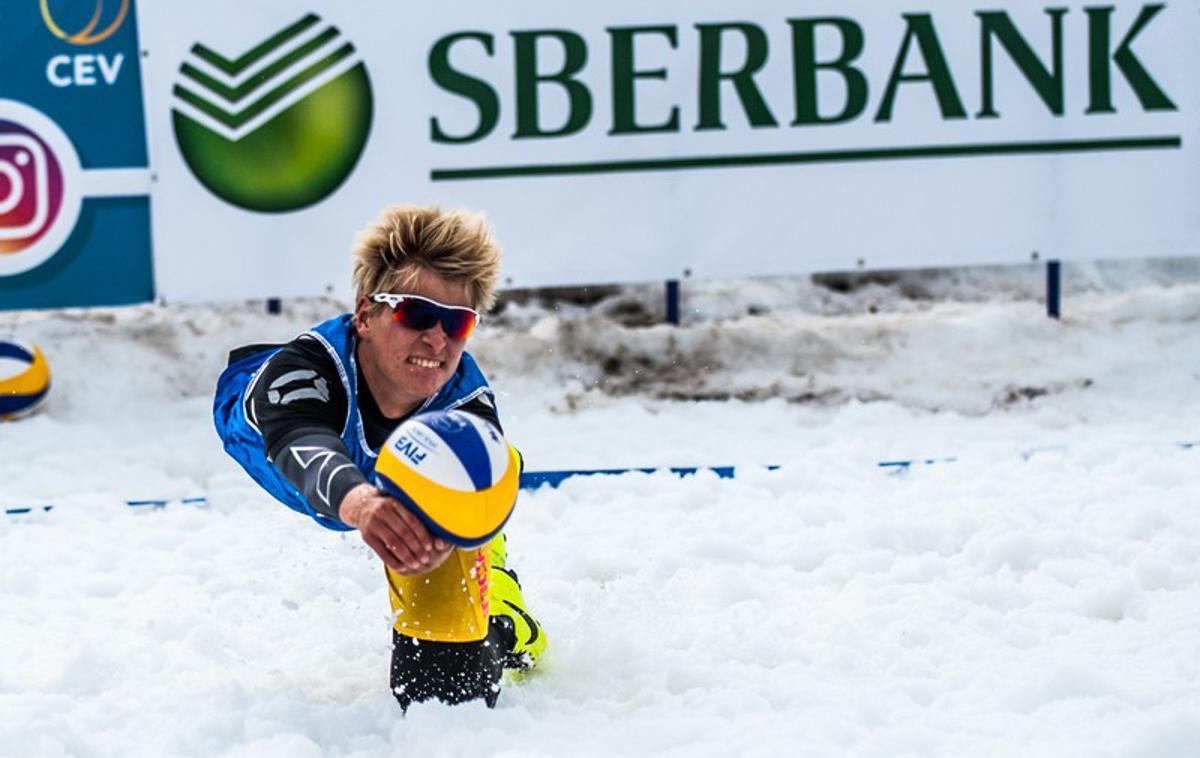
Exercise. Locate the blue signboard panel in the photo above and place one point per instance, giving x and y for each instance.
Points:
(74, 182)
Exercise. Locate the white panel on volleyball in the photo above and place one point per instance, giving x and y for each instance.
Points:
(434, 459)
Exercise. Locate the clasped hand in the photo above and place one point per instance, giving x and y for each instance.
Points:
(396, 535)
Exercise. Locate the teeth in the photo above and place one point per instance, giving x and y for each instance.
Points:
(423, 362)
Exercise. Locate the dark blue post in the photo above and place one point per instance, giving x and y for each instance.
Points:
(1053, 288)
(274, 306)
(673, 302)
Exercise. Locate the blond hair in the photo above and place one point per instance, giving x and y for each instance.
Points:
(407, 239)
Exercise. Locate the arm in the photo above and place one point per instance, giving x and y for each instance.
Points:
(299, 405)
(317, 463)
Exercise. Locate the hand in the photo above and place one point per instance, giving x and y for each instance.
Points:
(395, 534)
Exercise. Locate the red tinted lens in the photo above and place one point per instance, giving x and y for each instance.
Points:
(415, 314)
(420, 315)
(458, 324)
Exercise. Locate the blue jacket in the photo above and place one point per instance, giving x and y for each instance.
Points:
(244, 442)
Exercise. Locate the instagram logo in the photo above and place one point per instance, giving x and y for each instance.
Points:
(39, 193)
(31, 188)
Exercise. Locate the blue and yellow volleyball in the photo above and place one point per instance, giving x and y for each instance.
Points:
(453, 470)
(24, 378)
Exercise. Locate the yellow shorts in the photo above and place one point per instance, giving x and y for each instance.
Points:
(448, 604)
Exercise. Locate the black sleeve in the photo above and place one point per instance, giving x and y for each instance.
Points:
(299, 405)
(318, 464)
(298, 391)
(482, 406)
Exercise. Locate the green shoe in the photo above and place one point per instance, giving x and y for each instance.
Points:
(498, 551)
(507, 609)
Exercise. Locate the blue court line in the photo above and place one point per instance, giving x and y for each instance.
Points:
(905, 465)
(165, 503)
(532, 480)
(159, 503)
(29, 509)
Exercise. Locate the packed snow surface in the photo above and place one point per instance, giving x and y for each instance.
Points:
(1038, 595)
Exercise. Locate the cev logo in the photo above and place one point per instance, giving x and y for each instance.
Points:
(40, 195)
(88, 34)
(85, 70)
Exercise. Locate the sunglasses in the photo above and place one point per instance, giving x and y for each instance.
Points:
(421, 313)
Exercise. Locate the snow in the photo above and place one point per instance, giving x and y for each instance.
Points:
(1039, 595)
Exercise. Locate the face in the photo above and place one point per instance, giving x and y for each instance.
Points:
(405, 366)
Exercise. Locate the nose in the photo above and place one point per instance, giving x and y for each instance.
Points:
(435, 336)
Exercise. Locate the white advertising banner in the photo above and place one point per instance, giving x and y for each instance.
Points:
(627, 141)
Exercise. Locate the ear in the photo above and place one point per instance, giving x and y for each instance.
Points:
(362, 312)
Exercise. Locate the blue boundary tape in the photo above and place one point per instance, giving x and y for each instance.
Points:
(165, 503)
(29, 509)
(156, 504)
(905, 465)
(532, 480)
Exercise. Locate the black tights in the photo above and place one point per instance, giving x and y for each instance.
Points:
(453, 672)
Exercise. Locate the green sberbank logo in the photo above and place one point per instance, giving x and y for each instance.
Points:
(280, 126)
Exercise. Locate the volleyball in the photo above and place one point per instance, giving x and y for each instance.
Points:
(455, 471)
(24, 378)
